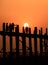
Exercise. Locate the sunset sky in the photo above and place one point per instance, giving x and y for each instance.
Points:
(34, 12)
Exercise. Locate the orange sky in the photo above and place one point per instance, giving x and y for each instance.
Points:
(34, 12)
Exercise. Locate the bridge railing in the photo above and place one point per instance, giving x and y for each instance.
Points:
(9, 30)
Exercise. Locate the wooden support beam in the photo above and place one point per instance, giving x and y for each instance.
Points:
(10, 30)
(35, 40)
(4, 41)
(30, 43)
(46, 43)
(17, 40)
(41, 45)
(24, 43)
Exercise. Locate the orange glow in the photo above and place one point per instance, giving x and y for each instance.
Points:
(34, 12)
(26, 25)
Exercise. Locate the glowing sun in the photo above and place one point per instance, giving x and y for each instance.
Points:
(26, 25)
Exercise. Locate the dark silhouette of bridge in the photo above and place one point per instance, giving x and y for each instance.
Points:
(8, 30)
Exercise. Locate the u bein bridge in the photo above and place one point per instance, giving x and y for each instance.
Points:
(13, 30)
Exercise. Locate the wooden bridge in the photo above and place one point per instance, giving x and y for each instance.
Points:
(8, 30)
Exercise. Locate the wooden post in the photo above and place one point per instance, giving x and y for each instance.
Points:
(46, 31)
(30, 44)
(41, 46)
(45, 43)
(35, 40)
(4, 41)
(10, 30)
(24, 43)
(17, 41)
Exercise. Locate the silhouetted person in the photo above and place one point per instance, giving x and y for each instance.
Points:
(7, 27)
(26, 30)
